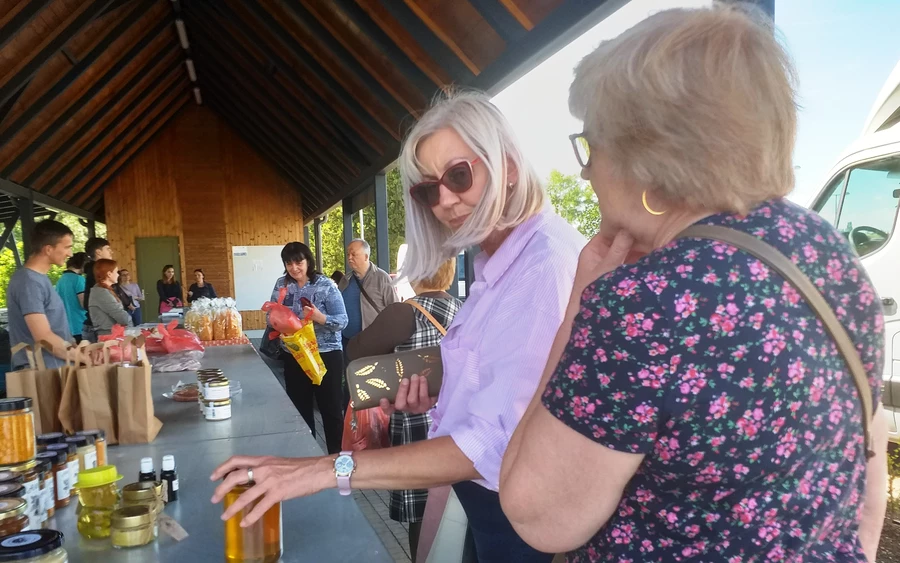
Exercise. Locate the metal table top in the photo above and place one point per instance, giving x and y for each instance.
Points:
(323, 528)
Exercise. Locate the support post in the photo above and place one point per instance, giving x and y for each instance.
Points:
(7, 231)
(317, 235)
(471, 253)
(347, 212)
(26, 215)
(92, 228)
(382, 239)
(306, 235)
(362, 225)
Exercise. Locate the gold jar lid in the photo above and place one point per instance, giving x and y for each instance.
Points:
(132, 516)
(12, 507)
(217, 402)
(217, 382)
(209, 371)
(144, 490)
(26, 468)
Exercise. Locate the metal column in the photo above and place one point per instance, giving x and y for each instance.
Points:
(347, 212)
(382, 239)
(26, 215)
(92, 228)
(306, 236)
(317, 237)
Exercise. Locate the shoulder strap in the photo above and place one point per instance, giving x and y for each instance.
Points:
(365, 293)
(428, 316)
(790, 272)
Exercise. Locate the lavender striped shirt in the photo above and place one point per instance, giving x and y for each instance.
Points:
(496, 348)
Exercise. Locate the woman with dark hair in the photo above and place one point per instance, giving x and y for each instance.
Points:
(337, 276)
(201, 288)
(106, 306)
(311, 294)
(169, 290)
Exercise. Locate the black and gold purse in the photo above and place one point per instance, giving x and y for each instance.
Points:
(378, 377)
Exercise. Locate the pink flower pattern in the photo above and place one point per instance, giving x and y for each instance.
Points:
(709, 364)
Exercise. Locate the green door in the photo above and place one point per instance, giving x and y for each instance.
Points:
(152, 254)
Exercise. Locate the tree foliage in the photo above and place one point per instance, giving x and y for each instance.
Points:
(574, 200)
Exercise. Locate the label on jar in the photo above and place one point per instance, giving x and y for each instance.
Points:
(218, 412)
(74, 470)
(63, 483)
(47, 494)
(174, 484)
(35, 505)
(90, 460)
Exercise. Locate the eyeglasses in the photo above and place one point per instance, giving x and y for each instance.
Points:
(458, 179)
(582, 149)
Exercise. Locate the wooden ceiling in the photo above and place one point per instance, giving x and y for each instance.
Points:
(324, 89)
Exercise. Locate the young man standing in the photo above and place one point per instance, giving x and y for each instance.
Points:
(36, 312)
(70, 288)
(97, 248)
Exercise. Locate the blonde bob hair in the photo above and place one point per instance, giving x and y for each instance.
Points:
(696, 104)
(487, 132)
(440, 281)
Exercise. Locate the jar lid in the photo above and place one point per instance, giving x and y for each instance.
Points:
(50, 438)
(223, 382)
(12, 490)
(97, 434)
(12, 507)
(14, 404)
(79, 441)
(56, 457)
(97, 477)
(143, 490)
(209, 370)
(27, 545)
(63, 447)
(132, 516)
(10, 477)
(217, 402)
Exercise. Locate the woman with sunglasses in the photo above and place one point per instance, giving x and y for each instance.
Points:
(468, 184)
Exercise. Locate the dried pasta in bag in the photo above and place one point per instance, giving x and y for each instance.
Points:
(233, 323)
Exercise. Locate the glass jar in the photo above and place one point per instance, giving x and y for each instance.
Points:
(217, 410)
(40, 546)
(48, 490)
(12, 516)
(145, 493)
(259, 543)
(133, 526)
(98, 497)
(99, 438)
(87, 452)
(216, 389)
(71, 462)
(31, 481)
(62, 485)
(17, 428)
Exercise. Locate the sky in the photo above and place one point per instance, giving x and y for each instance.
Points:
(843, 50)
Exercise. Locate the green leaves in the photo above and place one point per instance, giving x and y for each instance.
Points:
(574, 200)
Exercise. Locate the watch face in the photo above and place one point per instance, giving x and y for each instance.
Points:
(343, 465)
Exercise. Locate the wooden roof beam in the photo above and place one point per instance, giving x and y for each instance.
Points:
(505, 17)
(448, 41)
(18, 17)
(11, 188)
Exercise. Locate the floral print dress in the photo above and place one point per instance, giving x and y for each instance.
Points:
(715, 369)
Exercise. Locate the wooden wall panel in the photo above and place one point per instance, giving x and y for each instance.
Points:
(200, 181)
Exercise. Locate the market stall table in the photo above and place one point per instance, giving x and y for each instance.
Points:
(323, 528)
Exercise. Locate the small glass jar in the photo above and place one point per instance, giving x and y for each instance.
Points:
(13, 490)
(31, 481)
(12, 516)
(17, 428)
(133, 526)
(48, 489)
(216, 389)
(145, 493)
(71, 462)
(217, 410)
(50, 438)
(61, 482)
(98, 497)
(87, 452)
(40, 546)
(258, 543)
(99, 437)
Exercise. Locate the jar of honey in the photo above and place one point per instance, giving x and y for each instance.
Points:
(87, 452)
(48, 489)
(41, 546)
(259, 543)
(145, 493)
(17, 428)
(98, 497)
(71, 462)
(12, 516)
(31, 481)
(216, 389)
(133, 526)
(217, 410)
(61, 482)
(99, 441)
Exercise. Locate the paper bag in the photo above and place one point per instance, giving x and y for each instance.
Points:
(137, 422)
(70, 403)
(97, 392)
(42, 385)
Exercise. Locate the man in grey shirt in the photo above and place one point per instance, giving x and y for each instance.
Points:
(36, 312)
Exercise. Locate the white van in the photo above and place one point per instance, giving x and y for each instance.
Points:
(860, 198)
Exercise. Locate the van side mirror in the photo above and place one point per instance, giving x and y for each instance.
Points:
(896, 194)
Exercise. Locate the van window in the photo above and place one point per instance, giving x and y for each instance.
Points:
(869, 204)
(829, 206)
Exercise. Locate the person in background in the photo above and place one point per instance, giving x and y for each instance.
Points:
(107, 308)
(70, 288)
(465, 182)
(134, 292)
(169, 290)
(326, 308)
(95, 248)
(367, 290)
(694, 407)
(200, 288)
(400, 327)
(337, 276)
(36, 312)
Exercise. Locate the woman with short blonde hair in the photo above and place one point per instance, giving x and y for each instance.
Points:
(693, 406)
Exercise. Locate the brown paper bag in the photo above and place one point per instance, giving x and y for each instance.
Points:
(70, 403)
(97, 391)
(42, 385)
(137, 422)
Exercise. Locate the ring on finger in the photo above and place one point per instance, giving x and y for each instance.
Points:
(249, 475)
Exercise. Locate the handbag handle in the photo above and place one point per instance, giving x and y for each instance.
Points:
(790, 272)
(428, 316)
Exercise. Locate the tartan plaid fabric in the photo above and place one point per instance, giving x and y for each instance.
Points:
(409, 506)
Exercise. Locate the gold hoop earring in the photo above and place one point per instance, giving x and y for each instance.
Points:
(647, 206)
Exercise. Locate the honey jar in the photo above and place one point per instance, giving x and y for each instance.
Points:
(48, 488)
(216, 389)
(132, 526)
(61, 482)
(31, 482)
(17, 428)
(12, 516)
(41, 546)
(217, 410)
(7, 476)
(71, 462)
(98, 497)
(99, 441)
(259, 543)
(87, 452)
(50, 438)
(145, 493)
